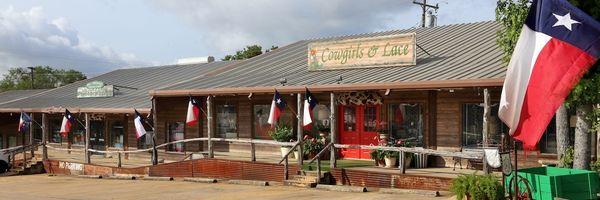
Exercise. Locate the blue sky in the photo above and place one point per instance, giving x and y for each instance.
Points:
(102, 35)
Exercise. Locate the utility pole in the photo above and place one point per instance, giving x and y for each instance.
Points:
(424, 5)
(31, 75)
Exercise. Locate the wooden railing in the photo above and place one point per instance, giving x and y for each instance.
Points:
(286, 159)
(318, 158)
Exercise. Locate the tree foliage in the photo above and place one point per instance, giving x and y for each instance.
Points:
(44, 77)
(511, 14)
(248, 52)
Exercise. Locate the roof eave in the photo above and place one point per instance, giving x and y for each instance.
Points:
(75, 110)
(417, 85)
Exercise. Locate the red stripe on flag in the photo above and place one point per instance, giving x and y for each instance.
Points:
(558, 68)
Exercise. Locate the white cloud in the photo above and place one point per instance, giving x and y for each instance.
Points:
(226, 26)
(29, 38)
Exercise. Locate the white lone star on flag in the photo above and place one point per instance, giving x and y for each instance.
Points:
(565, 21)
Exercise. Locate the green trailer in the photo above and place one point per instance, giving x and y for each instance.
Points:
(546, 183)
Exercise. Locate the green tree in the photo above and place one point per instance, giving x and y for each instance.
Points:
(248, 52)
(511, 14)
(44, 77)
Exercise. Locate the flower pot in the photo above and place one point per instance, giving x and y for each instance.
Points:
(323, 134)
(390, 162)
(407, 161)
(284, 150)
(383, 136)
(296, 155)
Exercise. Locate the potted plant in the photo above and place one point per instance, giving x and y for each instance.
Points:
(470, 186)
(378, 155)
(390, 158)
(312, 146)
(282, 133)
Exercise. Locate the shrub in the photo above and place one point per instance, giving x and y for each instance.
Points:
(566, 161)
(282, 133)
(477, 187)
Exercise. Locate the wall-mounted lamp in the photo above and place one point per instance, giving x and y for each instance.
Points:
(339, 79)
(283, 81)
(250, 96)
(387, 92)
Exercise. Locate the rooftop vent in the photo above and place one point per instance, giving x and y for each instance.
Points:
(195, 60)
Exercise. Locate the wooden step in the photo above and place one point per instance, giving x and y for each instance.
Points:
(304, 178)
(299, 183)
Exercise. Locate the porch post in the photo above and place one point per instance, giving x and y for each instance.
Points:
(44, 136)
(486, 125)
(300, 128)
(31, 134)
(126, 135)
(87, 138)
(333, 128)
(209, 125)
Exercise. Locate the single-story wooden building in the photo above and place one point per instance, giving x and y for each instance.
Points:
(426, 84)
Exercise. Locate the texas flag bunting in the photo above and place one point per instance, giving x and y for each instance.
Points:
(67, 123)
(310, 102)
(193, 112)
(138, 121)
(24, 122)
(557, 46)
(277, 107)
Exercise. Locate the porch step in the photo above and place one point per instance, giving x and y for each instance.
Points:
(297, 183)
(305, 181)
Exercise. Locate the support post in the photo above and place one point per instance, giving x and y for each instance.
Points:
(23, 145)
(119, 163)
(285, 168)
(209, 125)
(402, 161)
(126, 135)
(154, 132)
(87, 138)
(333, 128)
(300, 128)
(44, 136)
(31, 134)
(318, 169)
(486, 126)
(253, 152)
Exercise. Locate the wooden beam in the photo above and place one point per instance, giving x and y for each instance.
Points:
(87, 139)
(336, 87)
(486, 125)
(44, 136)
(209, 125)
(300, 128)
(333, 129)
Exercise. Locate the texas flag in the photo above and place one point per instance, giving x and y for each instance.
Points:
(193, 112)
(310, 103)
(67, 123)
(138, 121)
(277, 107)
(24, 122)
(557, 45)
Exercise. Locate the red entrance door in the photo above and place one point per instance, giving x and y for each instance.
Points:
(358, 125)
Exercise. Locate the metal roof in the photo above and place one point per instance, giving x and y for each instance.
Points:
(143, 79)
(13, 95)
(460, 52)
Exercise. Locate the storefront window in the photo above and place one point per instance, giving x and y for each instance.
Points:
(12, 141)
(261, 117)
(117, 134)
(55, 131)
(261, 126)
(472, 127)
(226, 121)
(548, 141)
(349, 118)
(405, 121)
(78, 134)
(175, 133)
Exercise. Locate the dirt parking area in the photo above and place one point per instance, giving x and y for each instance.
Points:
(66, 187)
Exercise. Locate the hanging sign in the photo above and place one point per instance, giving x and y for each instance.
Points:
(95, 89)
(382, 51)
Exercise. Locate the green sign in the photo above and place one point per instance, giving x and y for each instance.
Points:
(95, 89)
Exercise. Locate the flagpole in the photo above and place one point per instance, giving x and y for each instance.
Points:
(515, 177)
